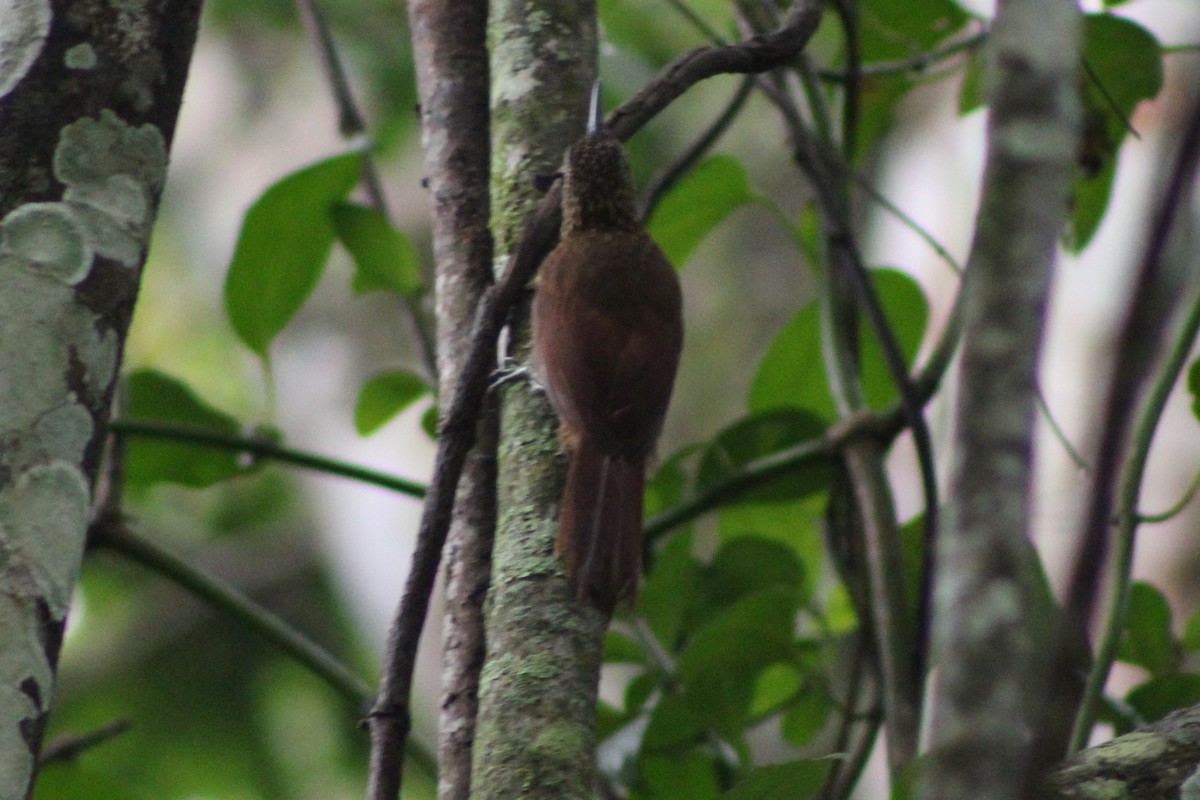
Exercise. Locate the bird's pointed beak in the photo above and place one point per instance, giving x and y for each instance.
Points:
(595, 116)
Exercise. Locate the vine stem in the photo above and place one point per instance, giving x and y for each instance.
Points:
(112, 533)
(263, 448)
(1133, 471)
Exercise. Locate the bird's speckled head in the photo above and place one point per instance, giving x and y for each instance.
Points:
(598, 189)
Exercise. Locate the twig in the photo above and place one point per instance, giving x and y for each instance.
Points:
(68, 748)
(262, 448)
(389, 720)
(351, 126)
(1183, 502)
(754, 55)
(917, 63)
(668, 177)
(847, 14)
(696, 21)
(113, 534)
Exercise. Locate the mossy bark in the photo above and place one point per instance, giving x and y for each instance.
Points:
(535, 734)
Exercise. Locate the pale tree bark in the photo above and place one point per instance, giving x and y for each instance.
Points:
(449, 43)
(1160, 761)
(88, 103)
(990, 639)
(535, 733)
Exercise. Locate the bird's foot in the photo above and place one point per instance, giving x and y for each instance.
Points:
(510, 372)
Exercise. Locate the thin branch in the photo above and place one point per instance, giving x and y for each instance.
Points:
(847, 14)
(68, 748)
(1059, 434)
(351, 126)
(389, 719)
(1132, 472)
(1109, 100)
(670, 175)
(1172, 512)
(114, 534)
(917, 63)
(696, 21)
(262, 448)
(755, 55)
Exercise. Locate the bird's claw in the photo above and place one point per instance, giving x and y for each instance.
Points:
(512, 371)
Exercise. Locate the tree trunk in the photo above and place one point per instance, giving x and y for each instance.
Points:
(87, 112)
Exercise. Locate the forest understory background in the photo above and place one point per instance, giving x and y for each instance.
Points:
(330, 555)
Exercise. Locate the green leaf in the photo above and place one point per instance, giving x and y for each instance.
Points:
(764, 434)
(153, 396)
(1161, 695)
(620, 649)
(70, 779)
(748, 564)
(1123, 64)
(1193, 383)
(692, 776)
(1147, 640)
(669, 484)
(1191, 633)
(282, 249)
(697, 204)
(879, 97)
(672, 723)
(970, 96)
(891, 30)
(670, 590)
(773, 687)
(639, 690)
(795, 779)
(798, 524)
(383, 397)
(384, 258)
(719, 666)
(429, 422)
(806, 717)
(907, 311)
(1125, 59)
(792, 372)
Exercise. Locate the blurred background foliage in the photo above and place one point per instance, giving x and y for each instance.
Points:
(731, 661)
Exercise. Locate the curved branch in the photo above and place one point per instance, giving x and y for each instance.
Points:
(113, 533)
(263, 448)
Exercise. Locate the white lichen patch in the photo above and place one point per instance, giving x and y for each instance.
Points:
(22, 34)
(57, 359)
(43, 519)
(112, 172)
(81, 56)
(22, 664)
(47, 239)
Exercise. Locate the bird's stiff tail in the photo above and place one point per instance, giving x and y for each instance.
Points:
(600, 533)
